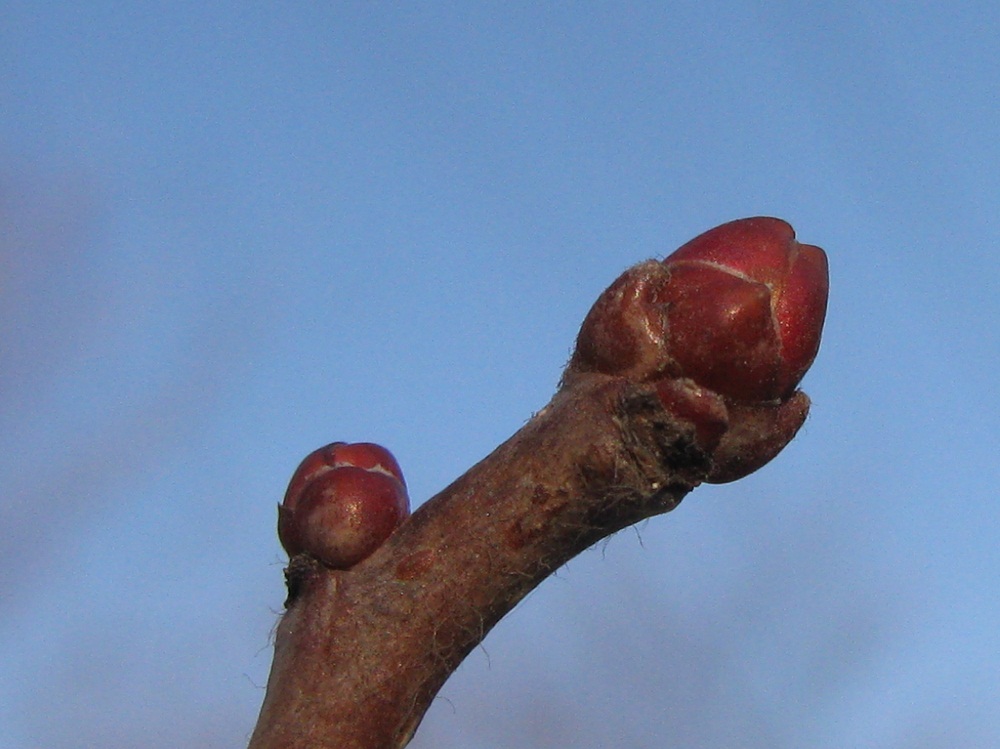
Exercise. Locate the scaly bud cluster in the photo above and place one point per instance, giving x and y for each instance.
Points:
(725, 327)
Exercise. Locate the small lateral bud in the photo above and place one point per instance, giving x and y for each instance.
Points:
(342, 503)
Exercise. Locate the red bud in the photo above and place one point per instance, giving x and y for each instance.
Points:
(721, 332)
(342, 502)
(737, 313)
(745, 308)
(347, 513)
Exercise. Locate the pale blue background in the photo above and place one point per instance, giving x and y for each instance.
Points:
(230, 233)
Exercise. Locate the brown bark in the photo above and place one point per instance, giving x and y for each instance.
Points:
(360, 654)
(684, 371)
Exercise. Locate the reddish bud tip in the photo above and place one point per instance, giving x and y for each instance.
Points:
(746, 305)
(315, 463)
(737, 314)
(343, 502)
(738, 309)
(365, 455)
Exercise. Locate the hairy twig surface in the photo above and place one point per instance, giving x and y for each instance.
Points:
(685, 371)
(360, 654)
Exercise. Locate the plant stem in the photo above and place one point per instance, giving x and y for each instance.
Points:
(361, 653)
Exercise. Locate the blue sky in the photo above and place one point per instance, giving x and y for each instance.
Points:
(232, 233)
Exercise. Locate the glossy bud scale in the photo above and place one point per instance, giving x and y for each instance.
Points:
(745, 305)
(342, 503)
(725, 327)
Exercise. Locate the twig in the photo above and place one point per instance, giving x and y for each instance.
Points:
(361, 652)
